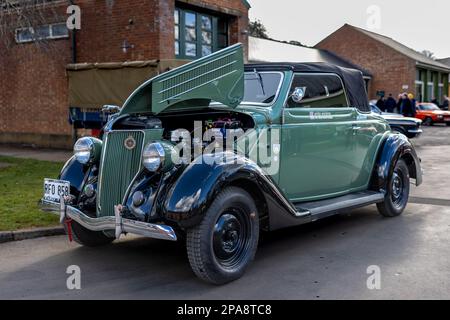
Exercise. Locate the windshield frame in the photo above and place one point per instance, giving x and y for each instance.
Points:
(277, 94)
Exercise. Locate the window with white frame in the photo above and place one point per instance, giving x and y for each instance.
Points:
(43, 32)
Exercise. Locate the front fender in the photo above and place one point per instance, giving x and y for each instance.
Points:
(196, 188)
(396, 147)
(75, 173)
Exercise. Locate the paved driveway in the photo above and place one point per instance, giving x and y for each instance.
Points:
(324, 260)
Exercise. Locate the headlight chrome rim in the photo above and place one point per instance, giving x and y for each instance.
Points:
(83, 150)
(153, 157)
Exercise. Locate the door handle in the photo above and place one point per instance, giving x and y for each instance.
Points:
(355, 129)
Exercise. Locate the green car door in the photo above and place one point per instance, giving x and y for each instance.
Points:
(368, 132)
(317, 139)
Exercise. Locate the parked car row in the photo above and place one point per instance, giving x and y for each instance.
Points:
(410, 127)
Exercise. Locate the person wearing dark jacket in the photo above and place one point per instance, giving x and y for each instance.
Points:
(390, 104)
(407, 107)
(446, 103)
(381, 104)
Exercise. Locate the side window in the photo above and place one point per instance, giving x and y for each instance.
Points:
(317, 91)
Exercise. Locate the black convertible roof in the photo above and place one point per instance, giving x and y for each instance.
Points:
(353, 79)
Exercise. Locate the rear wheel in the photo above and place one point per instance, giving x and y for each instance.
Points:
(428, 121)
(397, 193)
(448, 124)
(221, 248)
(86, 237)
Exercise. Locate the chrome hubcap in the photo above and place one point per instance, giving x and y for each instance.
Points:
(397, 186)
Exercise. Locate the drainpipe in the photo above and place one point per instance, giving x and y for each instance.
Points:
(74, 41)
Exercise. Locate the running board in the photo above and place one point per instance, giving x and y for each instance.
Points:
(324, 208)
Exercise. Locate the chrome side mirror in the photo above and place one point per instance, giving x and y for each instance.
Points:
(298, 94)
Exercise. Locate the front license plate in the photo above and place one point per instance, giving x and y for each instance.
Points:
(54, 189)
(447, 119)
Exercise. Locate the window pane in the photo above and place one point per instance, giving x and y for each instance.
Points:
(261, 89)
(319, 91)
(177, 48)
(191, 49)
(24, 35)
(206, 23)
(222, 41)
(222, 26)
(176, 16)
(206, 50)
(190, 19)
(206, 37)
(177, 32)
(190, 34)
(42, 32)
(60, 30)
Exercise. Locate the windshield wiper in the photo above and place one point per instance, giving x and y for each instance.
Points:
(261, 82)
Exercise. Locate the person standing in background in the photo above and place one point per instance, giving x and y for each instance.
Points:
(400, 103)
(413, 104)
(446, 103)
(390, 104)
(407, 107)
(381, 104)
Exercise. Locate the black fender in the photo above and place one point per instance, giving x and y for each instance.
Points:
(394, 148)
(77, 174)
(187, 200)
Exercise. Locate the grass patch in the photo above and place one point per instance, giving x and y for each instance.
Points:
(21, 187)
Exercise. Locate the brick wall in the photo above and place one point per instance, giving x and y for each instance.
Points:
(33, 94)
(33, 83)
(390, 69)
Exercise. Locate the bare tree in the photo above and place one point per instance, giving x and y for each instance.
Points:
(29, 16)
(428, 54)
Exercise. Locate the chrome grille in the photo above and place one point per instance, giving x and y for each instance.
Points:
(119, 165)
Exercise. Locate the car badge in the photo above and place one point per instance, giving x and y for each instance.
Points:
(130, 143)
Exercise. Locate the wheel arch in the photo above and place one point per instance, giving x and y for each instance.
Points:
(258, 197)
(395, 147)
(196, 188)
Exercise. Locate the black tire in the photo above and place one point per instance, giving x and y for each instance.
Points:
(224, 244)
(86, 237)
(448, 124)
(428, 121)
(397, 193)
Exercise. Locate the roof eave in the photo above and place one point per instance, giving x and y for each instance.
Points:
(432, 67)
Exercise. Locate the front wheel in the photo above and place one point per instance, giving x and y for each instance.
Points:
(428, 121)
(397, 193)
(221, 248)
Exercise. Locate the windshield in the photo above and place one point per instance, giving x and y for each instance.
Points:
(429, 106)
(375, 109)
(261, 87)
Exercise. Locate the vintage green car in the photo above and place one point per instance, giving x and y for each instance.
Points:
(214, 152)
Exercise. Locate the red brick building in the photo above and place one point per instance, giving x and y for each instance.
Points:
(395, 68)
(33, 82)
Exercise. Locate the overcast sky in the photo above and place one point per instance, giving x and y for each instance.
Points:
(419, 24)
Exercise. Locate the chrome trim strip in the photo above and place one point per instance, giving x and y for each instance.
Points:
(149, 230)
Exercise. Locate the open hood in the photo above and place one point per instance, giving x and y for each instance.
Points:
(217, 77)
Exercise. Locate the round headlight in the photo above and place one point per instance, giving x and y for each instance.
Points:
(87, 150)
(153, 157)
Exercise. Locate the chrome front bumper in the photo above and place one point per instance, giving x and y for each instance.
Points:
(116, 222)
